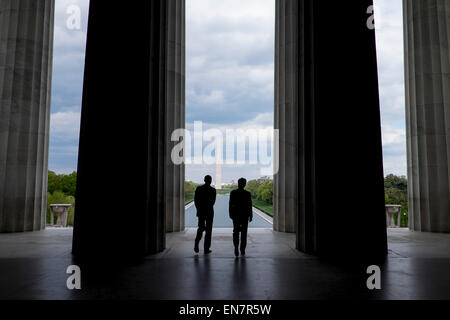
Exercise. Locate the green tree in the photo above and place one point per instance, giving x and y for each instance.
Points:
(69, 183)
(61, 190)
(397, 182)
(252, 187)
(66, 183)
(396, 192)
(58, 197)
(54, 182)
(265, 191)
(189, 191)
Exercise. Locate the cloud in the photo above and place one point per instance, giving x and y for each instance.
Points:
(65, 126)
(230, 57)
(213, 97)
(260, 121)
(393, 135)
(68, 57)
(67, 83)
(229, 172)
(391, 60)
(389, 32)
(394, 150)
(230, 74)
(64, 135)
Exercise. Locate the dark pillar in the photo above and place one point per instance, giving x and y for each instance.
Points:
(427, 67)
(286, 189)
(175, 84)
(26, 46)
(327, 110)
(122, 175)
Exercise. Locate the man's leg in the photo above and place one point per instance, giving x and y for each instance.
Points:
(236, 230)
(208, 235)
(244, 229)
(201, 228)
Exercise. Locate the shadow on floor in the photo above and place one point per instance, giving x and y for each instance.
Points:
(33, 266)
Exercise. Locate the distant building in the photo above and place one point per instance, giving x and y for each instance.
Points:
(262, 179)
(218, 166)
(218, 176)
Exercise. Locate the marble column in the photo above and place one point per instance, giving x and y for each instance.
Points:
(133, 97)
(427, 68)
(175, 95)
(26, 45)
(327, 111)
(286, 115)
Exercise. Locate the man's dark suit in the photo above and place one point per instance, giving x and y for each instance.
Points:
(204, 199)
(241, 212)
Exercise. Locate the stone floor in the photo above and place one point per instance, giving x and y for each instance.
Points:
(33, 266)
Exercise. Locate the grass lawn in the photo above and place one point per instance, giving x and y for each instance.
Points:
(188, 200)
(263, 206)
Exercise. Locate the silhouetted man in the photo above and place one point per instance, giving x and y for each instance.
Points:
(241, 212)
(204, 199)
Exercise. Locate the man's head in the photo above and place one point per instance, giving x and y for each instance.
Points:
(242, 183)
(208, 180)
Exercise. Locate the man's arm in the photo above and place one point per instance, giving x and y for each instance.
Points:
(250, 205)
(214, 201)
(231, 206)
(196, 199)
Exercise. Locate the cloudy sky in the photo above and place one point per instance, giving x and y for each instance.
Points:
(230, 77)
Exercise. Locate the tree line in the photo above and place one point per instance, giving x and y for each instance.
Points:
(396, 192)
(189, 191)
(261, 189)
(61, 190)
(62, 187)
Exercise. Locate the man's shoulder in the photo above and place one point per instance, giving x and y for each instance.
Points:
(240, 191)
(202, 189)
